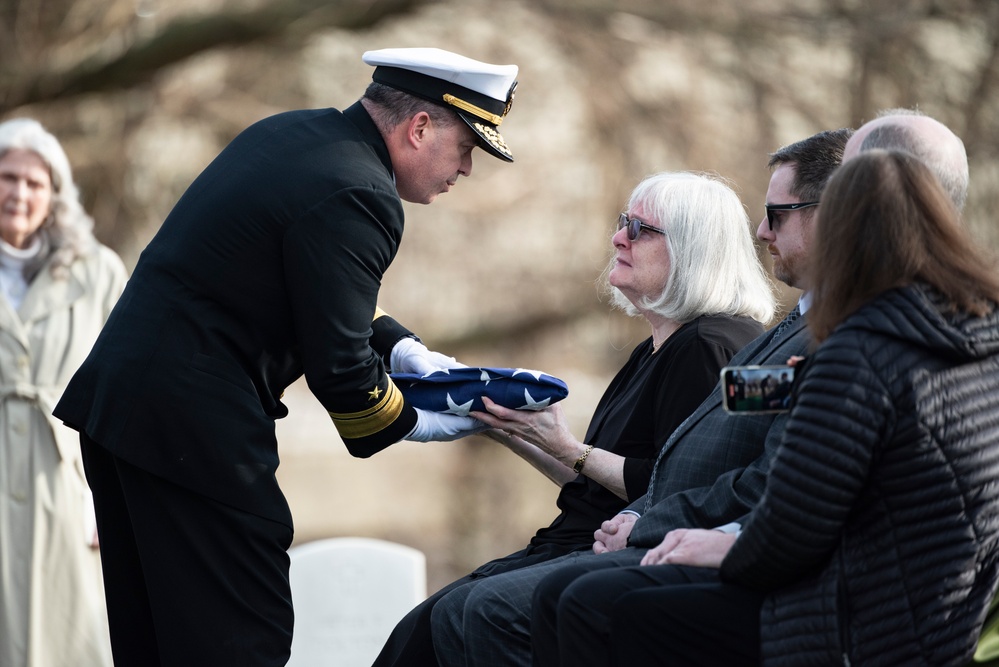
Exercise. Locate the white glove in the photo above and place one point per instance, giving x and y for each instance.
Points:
(440, 426)
(411, 356)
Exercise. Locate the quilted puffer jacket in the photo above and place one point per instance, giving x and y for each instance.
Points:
(877, 535)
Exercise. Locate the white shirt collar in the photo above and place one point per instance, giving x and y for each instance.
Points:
(805, 302)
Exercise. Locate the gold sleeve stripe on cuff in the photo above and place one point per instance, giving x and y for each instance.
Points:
(353, 425)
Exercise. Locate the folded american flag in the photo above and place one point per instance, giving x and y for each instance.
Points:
(459, 391)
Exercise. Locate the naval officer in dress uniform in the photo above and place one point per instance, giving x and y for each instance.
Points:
(267, 268)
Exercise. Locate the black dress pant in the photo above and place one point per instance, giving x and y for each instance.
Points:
(189, 581)
(643, 615)
(411, 643)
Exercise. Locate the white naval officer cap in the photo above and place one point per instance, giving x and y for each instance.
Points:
(479, 92)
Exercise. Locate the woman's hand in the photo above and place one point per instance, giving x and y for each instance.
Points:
(613, 533)
(549, 433)
(547, 429)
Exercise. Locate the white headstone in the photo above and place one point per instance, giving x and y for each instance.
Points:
(349, 592)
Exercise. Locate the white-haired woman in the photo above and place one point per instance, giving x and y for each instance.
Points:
(685, 261)
(57, 287)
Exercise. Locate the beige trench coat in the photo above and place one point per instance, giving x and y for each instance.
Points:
(52, 611)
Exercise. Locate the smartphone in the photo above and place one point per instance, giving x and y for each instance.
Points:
(753, 390)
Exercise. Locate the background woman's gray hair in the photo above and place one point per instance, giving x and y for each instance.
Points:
(67, 232)
(714, 268)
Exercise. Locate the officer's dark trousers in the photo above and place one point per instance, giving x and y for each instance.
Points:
(189, 581)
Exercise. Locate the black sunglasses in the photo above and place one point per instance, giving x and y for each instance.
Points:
(785, 207)
(635, 226)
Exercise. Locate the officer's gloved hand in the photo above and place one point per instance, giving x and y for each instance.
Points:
(439, 426)
(411, 356)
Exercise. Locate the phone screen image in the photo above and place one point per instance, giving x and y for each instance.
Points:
(757, 389)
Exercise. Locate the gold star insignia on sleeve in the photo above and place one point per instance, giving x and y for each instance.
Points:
(374, 394)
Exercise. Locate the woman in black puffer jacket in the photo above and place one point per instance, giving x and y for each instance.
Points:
(877, 540)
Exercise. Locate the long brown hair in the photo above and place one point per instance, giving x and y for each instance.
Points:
(886, 222)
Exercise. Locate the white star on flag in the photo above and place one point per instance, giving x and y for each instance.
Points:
(532, 404)
(460, 410)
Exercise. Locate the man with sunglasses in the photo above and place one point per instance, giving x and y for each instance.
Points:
(792, 199)
(710, 472)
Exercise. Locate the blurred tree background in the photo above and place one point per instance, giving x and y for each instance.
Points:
(502, 271)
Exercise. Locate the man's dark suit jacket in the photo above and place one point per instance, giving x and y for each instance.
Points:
(268, 267)
(719, 475)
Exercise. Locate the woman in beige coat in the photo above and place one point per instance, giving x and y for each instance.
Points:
(57, 287)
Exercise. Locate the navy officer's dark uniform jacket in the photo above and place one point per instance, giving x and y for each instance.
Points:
(268, 267)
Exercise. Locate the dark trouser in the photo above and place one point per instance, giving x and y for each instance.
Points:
(411, 643)
(632, 616)
(190, 582)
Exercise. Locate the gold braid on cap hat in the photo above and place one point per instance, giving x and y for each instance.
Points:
(472, 109)
(493, 137)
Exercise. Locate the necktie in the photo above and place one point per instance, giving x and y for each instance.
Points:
(650, 499)
(786, 322)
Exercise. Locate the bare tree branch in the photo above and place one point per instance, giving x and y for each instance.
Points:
(187, 37)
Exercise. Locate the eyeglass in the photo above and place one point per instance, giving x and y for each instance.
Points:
(785, 207)
(635, 226)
